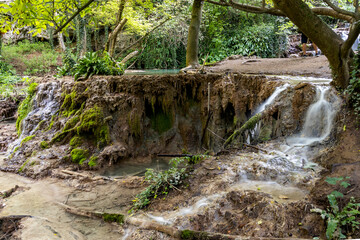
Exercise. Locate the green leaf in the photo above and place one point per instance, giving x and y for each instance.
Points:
(334, 180)
(345, 184)
(332, 225)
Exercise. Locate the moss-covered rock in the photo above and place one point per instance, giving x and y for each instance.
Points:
(25, 106)
(44, 144)
(92, 122)
(112, 217)
(79, 155)
(93, 161)
(26, 139)
(76, 141)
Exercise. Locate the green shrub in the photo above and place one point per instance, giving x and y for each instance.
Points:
(340, 222)
(36, 57)
(8, 81)
(353, 90)
(164, 181)
(93, 63)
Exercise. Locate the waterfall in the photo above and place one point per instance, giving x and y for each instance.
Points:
(318, 121)
(271, 99)
(45, 104)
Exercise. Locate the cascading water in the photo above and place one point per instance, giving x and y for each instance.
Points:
(278, 171)
(272, 98)
(318, 121)
(45, 105)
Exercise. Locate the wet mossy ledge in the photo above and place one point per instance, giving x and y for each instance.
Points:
(103, 120)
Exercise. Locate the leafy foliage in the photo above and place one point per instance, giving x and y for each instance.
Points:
(93, 63)
(163, 182)
(353, 89)
(340, 222)
(8, 81)
(33, 58)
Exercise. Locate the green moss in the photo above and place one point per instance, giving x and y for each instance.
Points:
(39, 125)
(250, 124)
(153, 101)
(26, 139)
(265, 133)
(44, 144)
(61, 135)
(92, 121)
(23, 166)
(112, 217)
(79, 155)
(51, 124)
(161, 122)
(71, 123)
(69, 101)
(187, 234)
(102, 136)
(93, 161)
(76, 141)
(17, 148)
(134, 123)
(25, 106)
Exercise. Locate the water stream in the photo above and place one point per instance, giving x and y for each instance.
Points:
(152, 72)
(271, 99)
(280, 171)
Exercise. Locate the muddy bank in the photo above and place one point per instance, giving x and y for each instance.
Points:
(309, 66)
(248, 193)
(106, 119)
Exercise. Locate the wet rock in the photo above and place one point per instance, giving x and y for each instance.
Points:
(112, 154)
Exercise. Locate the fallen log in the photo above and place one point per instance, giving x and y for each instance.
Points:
(75, 173)
(152, 225)
(9, 192)
(107, 217)
(257, 148)
(250, 124)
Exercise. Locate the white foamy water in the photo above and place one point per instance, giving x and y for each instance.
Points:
(272, 98)
(318, 121)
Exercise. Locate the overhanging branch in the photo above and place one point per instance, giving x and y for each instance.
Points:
(339, 10)
(353, 35)
(73, 16)
(274, 11)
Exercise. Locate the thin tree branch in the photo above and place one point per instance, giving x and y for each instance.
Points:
(273, 11)
(332, 13)
(73, 16)
(140, 39)
(339, 10)
(353, 35)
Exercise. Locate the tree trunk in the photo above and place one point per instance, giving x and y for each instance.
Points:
(61, 41)
(110, 44)
(119, 25)
(1, 40)
(192, 48)
(323, 36)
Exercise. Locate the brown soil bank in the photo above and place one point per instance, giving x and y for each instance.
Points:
(106, 119)
(309, 66)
